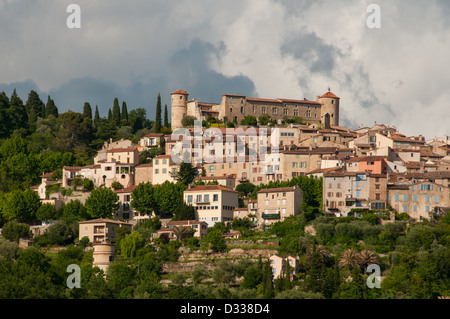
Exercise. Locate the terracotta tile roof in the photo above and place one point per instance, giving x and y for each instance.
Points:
(180, 92)
(366, 158)
(126, 189)
(277, 190)
(330, 95)
(118, 150)
(256, 99)
(104, 220)
(201, 188)
(46, 175)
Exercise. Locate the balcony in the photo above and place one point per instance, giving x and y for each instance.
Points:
(271, 216)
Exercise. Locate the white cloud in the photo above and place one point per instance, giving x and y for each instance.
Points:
(288, 48)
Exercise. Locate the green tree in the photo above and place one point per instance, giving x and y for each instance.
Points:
(51, 108)
(167, 197)
(17, 113)
(216, 241)
(124, 114)
(34, 106)
(158, 119)
(184, 212)
(96, 116)
(264, 119)
(46, 212)
(5, 125)
(87, 110)
(130, 244)
(249, 120)
(102, 203)
(13, 231)
(188, 121)
(116, 112)
(74, 210)
(166, 117)
(186, 173)
(21, 205)
(142, 199)
(245, 188)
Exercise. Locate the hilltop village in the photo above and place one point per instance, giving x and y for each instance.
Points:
(315, 170)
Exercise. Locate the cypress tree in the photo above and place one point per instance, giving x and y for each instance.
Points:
(87, 110)
(124, 114)
(17, 112)
(96, 115)
(4, 118)
(158, 115)
(116, 112)
(166, 117)
(109, 115)
(34, 106)
(51, 108)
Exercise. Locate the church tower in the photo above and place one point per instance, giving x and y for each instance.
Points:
(178, 108)
(330, 108)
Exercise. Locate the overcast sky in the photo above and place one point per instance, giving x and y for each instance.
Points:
(396, 75)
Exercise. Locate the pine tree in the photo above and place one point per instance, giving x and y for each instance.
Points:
(166, 117)
(51, 108)
(116, 112)
(87, 110)
(158, 115)
(124, 114)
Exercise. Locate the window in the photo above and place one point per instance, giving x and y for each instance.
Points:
(436, 199)
(415, 208)
(427, 209)
(267, 202)
(358, 193)
(405, 197)
(274, 110)
(284, 202)
(397, 198)
(427, 198)
(405, 208)
(156, 171)
(189, 199)
(263, 110)
(215, 197)
(206, 200)
(415, 198)
(199, 199)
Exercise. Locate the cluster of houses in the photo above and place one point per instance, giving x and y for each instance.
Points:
(370, 169)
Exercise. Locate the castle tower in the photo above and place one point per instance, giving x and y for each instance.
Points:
(178, 108)
(330, 108)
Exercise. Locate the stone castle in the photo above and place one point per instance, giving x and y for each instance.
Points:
(234, 107)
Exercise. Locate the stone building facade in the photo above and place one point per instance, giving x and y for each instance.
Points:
(234, 108)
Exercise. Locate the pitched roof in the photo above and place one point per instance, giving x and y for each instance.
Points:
(103, 220)
(126, 189)
(200, 188)
(117, 150)
(330, 95)
(276, 190)
(180, 92)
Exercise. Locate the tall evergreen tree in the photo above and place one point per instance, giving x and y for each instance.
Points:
(50, 108)
(96, 116)
(124, 115)
(87, 110)
(4, 118)
(116, 112)
(17, 112)
(34, 106)
(158, 118)
(166, 117)
(109, 115)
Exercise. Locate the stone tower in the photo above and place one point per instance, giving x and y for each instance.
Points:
(178, 108)
(330, 106)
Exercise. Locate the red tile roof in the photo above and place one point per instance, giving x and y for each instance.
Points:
(209, 188)
(330, 95)
(180, 92)
(118, 150)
